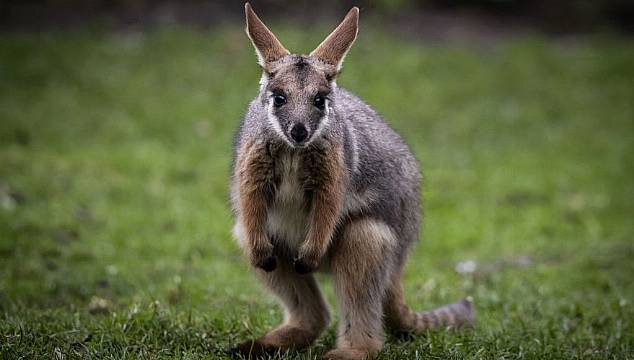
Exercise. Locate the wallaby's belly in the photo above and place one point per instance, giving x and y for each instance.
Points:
(287, 216)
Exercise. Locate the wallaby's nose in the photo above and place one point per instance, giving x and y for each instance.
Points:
(299, 133)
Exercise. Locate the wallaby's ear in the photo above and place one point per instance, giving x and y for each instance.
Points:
(267, 46)
(334, 48)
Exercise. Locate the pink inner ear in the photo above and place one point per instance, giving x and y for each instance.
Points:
(269, 48)
(334, 48)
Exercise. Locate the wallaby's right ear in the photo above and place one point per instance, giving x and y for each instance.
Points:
(334, 48)
(267, 46)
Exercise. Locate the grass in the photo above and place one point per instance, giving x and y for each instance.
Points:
(115, 223)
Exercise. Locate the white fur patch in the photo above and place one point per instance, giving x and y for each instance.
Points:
(238, 234)
(325, 120)
(287, 217)
(261, 60)
(264, 81)
(323, 124)
(273, 120)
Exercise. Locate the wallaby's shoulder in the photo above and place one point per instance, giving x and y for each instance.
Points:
(368, 125)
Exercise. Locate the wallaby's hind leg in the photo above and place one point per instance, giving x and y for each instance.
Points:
(305, 313)
(361, 266)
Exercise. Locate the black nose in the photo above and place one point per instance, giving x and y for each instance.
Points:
(299, 133)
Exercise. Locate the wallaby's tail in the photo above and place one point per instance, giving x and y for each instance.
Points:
(401, 317)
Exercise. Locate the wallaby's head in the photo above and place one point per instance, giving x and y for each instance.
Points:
(295, 89)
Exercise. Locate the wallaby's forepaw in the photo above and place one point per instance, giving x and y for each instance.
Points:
(263, 258)
(267, 264)
(304, 267)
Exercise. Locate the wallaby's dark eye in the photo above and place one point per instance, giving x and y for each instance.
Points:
(319, 101)
(279, 100)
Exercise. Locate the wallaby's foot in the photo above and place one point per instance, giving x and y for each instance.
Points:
(349, 354)
(279, 340)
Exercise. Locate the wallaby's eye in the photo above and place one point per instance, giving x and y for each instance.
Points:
(319, 101)
(279, 100)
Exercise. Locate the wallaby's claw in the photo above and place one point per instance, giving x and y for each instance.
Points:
(268, 264)
(250, 349)
(301, 267)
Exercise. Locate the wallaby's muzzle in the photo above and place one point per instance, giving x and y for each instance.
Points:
(299, 133)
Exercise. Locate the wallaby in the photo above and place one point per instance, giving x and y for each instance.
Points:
(321, 183)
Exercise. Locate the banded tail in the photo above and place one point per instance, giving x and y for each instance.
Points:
(403, 318)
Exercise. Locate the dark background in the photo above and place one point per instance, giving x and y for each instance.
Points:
(431, 18)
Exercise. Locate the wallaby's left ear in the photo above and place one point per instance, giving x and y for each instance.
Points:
(267, 46)
(334, 48)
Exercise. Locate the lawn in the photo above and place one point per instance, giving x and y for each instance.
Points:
(115, 221)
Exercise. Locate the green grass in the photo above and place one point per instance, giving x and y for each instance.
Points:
(115, 223)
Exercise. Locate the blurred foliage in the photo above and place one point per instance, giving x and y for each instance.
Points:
(393, 5)
(562, 16)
